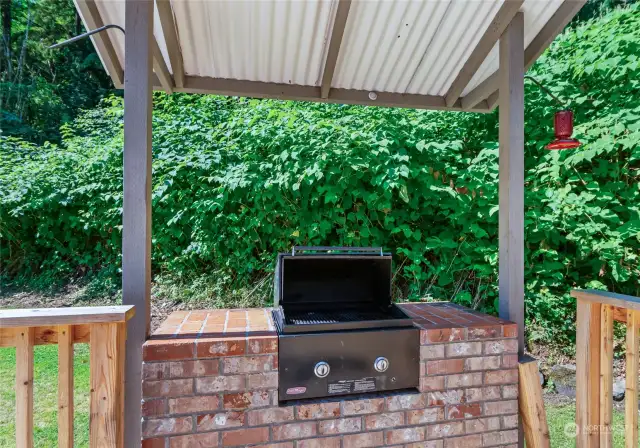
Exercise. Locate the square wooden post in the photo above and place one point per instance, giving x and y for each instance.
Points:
(588, 327)
(631, 376)
(107, 380)
(511, 180)
(25, 339)
(136, 232)
(511, 176)
(65, 386)
(606, 376)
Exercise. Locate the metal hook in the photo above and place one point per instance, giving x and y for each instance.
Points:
(85, 35)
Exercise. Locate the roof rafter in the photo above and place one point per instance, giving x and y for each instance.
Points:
(482, 91)
(335, 41)
(258, 89)
(161, 69)
(493, 99)
(170, 33)
(497, 26)
(102, 41)
(547, 34)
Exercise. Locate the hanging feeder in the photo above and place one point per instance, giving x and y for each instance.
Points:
(562, 124)
(563, 129)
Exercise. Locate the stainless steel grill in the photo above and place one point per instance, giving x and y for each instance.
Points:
(338, 331)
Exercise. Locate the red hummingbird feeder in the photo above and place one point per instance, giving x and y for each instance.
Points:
(563, 129)
(562, 124)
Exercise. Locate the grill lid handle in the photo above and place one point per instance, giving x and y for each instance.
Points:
(343, 249)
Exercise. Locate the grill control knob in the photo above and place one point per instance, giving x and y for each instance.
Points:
(322, 369)
(381, 364)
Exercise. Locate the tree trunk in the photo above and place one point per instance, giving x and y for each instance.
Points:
(78, 24)
(6, 22)
(5, 6)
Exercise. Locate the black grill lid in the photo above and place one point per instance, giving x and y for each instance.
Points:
(321, 278)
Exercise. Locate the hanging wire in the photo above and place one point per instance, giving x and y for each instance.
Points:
(545, 90)
(85, 35)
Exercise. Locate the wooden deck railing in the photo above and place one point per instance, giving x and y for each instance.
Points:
(104, 328)
(597, 310)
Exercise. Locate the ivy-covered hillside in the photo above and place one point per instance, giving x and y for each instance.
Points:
(237, 180)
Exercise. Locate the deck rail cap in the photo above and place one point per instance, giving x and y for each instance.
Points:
(607, 298)
(35, 317)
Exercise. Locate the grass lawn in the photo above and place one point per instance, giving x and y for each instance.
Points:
(561, 417)
(45, 393)
(45, 396)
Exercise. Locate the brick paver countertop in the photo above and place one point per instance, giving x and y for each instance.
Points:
(258, 322)
(210, 379)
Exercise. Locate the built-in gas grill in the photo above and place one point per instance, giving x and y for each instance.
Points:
(338, 331)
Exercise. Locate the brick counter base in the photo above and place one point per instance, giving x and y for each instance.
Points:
(211, 377)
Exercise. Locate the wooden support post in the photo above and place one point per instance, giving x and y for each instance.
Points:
(65, 386)
(107, 386)
(511, 176)
(531, 404)
(631, 387)
(606, 376)
(136, 232)
(588, 373)
(24, 387)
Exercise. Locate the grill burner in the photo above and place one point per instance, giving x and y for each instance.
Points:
(333, 317)
(338, 331)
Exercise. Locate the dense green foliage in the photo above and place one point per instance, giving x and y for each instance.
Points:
(40, 89)
(597, 8)
(237, 180)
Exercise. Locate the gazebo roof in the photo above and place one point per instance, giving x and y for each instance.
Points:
(434, 54)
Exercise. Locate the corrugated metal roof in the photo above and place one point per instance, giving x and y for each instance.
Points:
(266, 41)
(420, 47)
(396, 46)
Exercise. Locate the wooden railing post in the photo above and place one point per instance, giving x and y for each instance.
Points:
(587, 374)
(105, 329)
(24, 387)
(65, 386)
(631, 386)
(531, 404)
(107, 385)
(606, 377)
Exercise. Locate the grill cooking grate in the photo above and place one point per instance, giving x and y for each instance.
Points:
(333, 317)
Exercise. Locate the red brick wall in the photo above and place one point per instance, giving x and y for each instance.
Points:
(222, 392)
